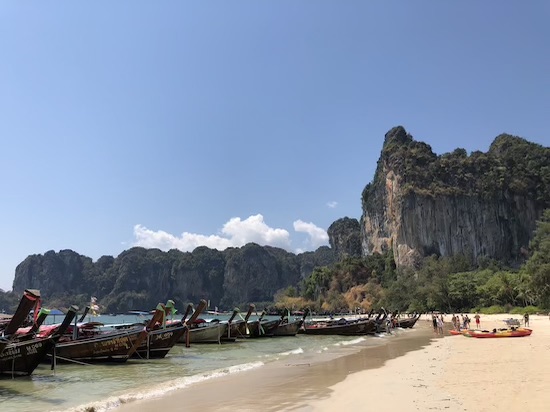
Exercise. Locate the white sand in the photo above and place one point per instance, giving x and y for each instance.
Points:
(456, 374)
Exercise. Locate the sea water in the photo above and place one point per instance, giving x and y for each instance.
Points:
(103, 387)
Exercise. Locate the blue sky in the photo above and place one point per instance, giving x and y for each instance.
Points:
(175, 124)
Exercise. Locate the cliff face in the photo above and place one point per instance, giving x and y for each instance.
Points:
(139, 278)
(482, 206)
(345, 238)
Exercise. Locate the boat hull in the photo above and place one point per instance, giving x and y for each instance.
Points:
(159, 342)
(406, 322)
(22, 358)
(288, 329)
(346, 329)
(206, 334)
(262, 329)
(109, 347)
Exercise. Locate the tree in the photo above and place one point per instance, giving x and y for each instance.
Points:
(538, 265)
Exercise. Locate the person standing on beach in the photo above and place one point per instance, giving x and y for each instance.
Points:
(439, 321)
(434, 321)
(478, 323)
(526, 319)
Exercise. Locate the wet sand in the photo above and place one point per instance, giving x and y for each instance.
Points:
(285, 384)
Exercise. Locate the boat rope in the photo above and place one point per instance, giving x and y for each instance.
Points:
(72, 360)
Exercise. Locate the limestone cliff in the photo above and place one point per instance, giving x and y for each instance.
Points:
(345, 237)
(482, 206)
(139, 278)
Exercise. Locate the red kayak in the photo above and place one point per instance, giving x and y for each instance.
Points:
(500, 333)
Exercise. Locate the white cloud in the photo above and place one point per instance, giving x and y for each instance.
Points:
(317, 236)
(235, 232)
(332, 204)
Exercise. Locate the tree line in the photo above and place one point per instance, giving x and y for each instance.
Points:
(448, 284)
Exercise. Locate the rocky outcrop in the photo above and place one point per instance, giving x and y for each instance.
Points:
(139, 278)
(345, 238)
(482, 206)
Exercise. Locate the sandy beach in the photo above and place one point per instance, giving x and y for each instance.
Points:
(456, 374)
(417, 371)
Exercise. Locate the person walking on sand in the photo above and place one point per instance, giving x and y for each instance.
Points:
(526, 320)
(439, 325)
(478, 323)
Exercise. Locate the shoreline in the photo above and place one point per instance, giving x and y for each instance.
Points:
(288, 384)
(415, 371)
(458, 374)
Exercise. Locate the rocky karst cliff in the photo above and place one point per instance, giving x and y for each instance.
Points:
(140, 278)
(345, 238)
(484, 205)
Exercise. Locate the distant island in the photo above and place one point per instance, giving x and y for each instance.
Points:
(448, 232)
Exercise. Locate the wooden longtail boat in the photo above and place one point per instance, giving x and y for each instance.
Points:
(194, 333)
(103, 347)
(163, 337)
(262, 328)
(200, 331)
(287, 327)
(341, 327)
(239, 327)
(30, 299)
(22, 358)
(231, 333)
(159, 342)
(207, 332)
(115, 346)
(406, 322)
(30, 332)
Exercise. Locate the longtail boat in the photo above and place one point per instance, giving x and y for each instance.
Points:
(231, 332)
(164, 336)
(22, 358)
(115, 346)
(262, 327)
(287, 327)
(31, 332)
(239, 328)
(29, 300)
(408, 322)
(341, 327)
(159, 342)
(207, 332)
(200, 331)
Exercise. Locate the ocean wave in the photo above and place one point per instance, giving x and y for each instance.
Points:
(296, 351)
(350, 342)
(162, 389)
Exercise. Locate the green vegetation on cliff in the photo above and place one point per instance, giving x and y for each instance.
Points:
(139, 278)
(447, 284)
(512, 165)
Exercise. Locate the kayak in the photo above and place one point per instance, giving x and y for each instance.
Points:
(500, 333)
(463, 332)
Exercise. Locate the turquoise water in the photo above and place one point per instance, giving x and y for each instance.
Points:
(104, 386)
